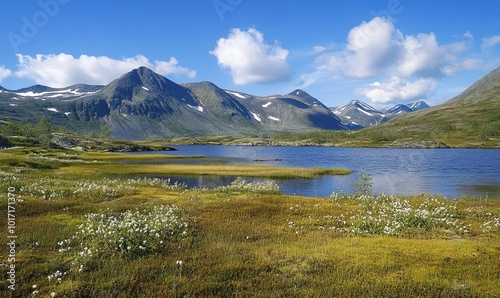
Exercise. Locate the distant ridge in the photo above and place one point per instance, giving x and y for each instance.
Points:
(358, 114)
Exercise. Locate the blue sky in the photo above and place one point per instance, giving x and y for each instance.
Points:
(381, 51)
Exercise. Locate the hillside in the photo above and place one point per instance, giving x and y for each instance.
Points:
(471, 119)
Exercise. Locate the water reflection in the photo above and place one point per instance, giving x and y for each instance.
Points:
(449, 172)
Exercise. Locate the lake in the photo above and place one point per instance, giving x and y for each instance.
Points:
(449, 172)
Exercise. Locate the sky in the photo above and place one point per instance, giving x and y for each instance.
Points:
(383, 52)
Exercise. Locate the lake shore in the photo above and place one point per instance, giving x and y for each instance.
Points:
(242, 239)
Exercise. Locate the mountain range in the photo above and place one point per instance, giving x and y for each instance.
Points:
(357, 114)
(142, 104)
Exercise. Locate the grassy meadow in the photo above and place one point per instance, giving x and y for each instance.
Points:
(81, 233)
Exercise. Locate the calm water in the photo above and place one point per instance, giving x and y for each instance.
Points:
(449, 172)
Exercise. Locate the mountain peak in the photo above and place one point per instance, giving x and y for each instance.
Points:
(418, 105)
(144, 78)
(299, 93)
(143, 71)
(361, 104)
(304, 97)
(36, 89)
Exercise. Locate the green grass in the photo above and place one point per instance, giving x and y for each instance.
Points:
(244, 241)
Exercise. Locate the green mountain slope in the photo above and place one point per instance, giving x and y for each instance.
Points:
(470, 119)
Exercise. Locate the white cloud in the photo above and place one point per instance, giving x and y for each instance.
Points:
(61, 70)
(371, 48)
(490, 41)
(250, 59)
(4, 72)
(377, 48)
(423, 56)
(468, 35)
(318, 49)
(409, 64)
(398, 89)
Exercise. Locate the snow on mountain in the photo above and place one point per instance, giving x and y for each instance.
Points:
(361, 114)
(239, 95)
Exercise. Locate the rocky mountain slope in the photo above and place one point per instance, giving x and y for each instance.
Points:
(142, 104)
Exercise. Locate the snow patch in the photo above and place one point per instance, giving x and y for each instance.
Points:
(366, 106)
(198, 108)
(266, 105)
(67, 114)
(363, 111)
(273, 118)
(348, 117)
(13, 105)
(53, 110)
(53, 94)
(145, 88)
(256, 117)
(235, 94)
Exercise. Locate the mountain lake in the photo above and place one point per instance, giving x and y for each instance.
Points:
(450, 172)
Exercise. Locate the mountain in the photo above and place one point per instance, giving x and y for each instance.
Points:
(142, 104)
(358, 114)
(471, 118)
(220, 104)
(482, 90)
(418, 105)
(398, 109)
(295, 111)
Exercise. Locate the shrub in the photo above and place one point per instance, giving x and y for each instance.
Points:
(241, 185)
(128, 234)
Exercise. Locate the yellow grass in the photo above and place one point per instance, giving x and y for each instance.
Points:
(266, 171)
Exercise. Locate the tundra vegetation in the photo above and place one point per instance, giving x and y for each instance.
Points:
(83, 232)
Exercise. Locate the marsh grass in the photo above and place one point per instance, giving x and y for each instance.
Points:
(242, 242)
(235, 170)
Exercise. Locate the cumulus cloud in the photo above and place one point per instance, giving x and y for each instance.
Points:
(376, 48)
(490, 41)
(422, 56)
(4, 72)
(411, 64)
(61, 70)
(250, 59)
(371, 48)
(398, 89)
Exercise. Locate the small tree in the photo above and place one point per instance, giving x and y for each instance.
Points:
(364, 184)
(44, 132)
